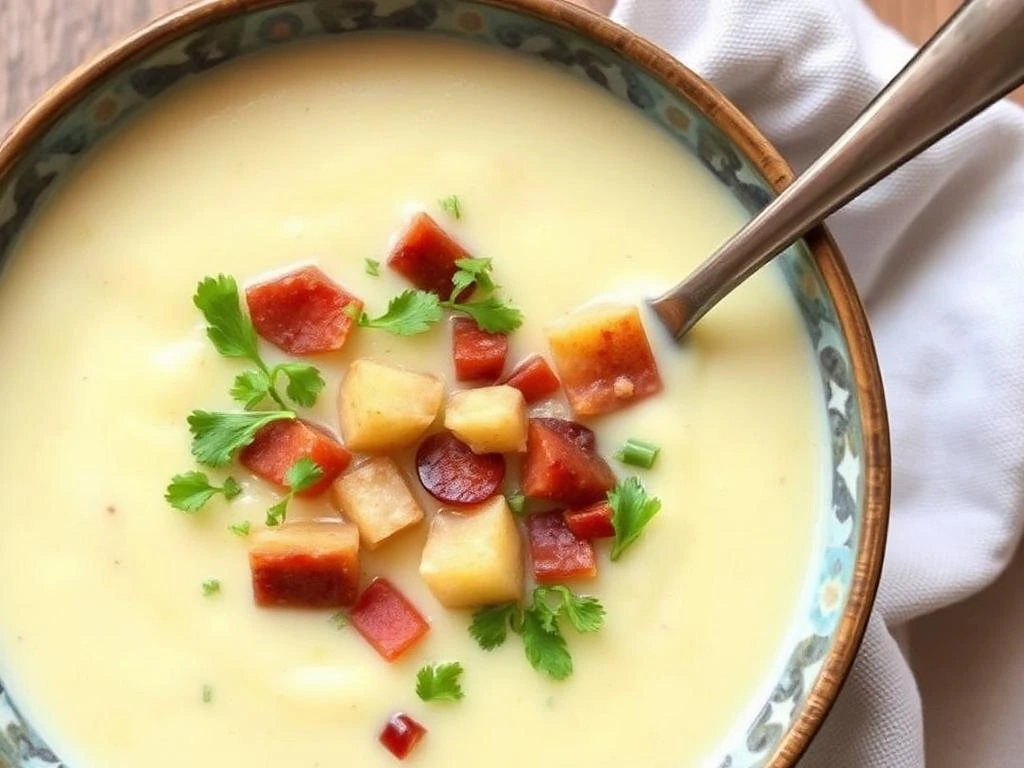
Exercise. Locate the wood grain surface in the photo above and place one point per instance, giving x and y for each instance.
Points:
(41, 40)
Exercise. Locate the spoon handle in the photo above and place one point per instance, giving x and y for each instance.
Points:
(975, 59)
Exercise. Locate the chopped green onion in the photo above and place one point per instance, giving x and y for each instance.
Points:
(638, 453)
(516, 503)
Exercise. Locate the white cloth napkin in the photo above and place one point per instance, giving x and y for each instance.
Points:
(936, 253)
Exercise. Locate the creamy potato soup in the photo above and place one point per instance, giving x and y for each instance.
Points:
(130, 631)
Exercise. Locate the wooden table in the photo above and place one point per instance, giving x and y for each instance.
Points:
(41, 40)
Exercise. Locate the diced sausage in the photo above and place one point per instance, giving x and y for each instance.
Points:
(453, 474)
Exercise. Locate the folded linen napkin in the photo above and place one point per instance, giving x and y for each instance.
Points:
(936, 253)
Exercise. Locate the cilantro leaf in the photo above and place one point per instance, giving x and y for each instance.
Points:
(217, 436)
(227, 327)
(409, 313)
(372, 267)
(490, 625)
(304, 382)
(301, 476)
(477, 272)
(250, 388)
(586, 614)
(452, 206)
(233, 335)
(439, 682)
(211, 587)
(190, 491)
(241, 529)
(632, 509)
(491, 314)
(545, 648)
(277, 513)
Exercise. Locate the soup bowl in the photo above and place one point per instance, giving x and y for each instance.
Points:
(48, 143)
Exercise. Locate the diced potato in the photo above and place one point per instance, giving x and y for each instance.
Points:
(305, 565)
(604, 358)
(488, 419)
(377, 499)
(384, 408)
(473, 556)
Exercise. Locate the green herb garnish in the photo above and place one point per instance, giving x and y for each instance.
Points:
(339, 620)
(303, 475)
(638, 453)
(232, 334)
(372, 267)
(452, 206)
(190, 491)
(516, 503)
(632, 509)
(207, 693)
(439, 682)
(539, 626)
(217, 436)
(241, 529)
(211, 587)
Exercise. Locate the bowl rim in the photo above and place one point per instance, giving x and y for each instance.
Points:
(73, 87)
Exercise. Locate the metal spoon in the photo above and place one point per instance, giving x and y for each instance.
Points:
(974, 60)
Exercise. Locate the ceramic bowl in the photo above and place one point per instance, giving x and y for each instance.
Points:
(46, 145)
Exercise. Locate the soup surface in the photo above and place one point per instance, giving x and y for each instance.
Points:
(315, 153)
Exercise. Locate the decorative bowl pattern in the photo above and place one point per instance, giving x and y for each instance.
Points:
(42, 149)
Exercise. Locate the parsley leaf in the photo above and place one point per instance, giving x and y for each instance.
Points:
(491, 314)
(211, 587)
(473, 272)
(241, 529)
(452, 206)
(545, 647)
(190, 491)
(372, 267)
(304, 382)
(250, 388)
(228, 328)
(233, 335)
(409, 313)
(303, 475)
(490, 625)
(217, 436)
(632, 509)
(439, 682)
(586, 614)
(538, 625)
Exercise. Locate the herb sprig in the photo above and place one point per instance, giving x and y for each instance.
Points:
(538, 624)
(233, 335)
(632, 510)
(303, 475)
(414, 311)
(440, 682)
(190, 491)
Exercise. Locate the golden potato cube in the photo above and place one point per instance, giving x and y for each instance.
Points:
(489, 419)
(604, 358)
(384, 408)
(376, 497)
(473, 556)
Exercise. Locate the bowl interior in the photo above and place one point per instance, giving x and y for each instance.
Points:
(45, 147)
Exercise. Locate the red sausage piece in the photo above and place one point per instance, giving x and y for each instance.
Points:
(593, 522)
(387, 620)
(452, 473)
(534, 378)
(303, 312)
(478, 355)
(557, 554)
(562, 464)
(282, 443)
(401, 735)
(425, 255)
